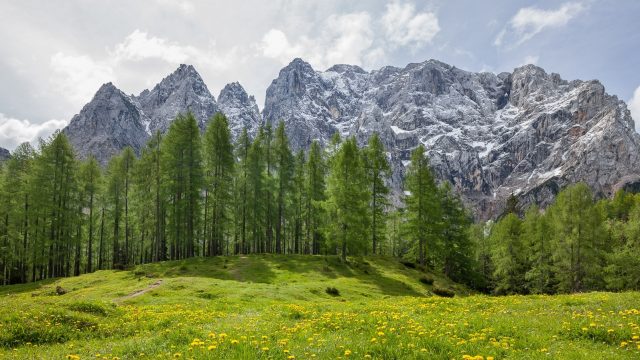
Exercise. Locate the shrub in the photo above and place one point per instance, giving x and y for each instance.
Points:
(332, 291)
(427, 280)
(443, 292)
(89, 308)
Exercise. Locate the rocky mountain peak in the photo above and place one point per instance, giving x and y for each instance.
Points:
(234, 92)
(107, 124)
(183, 90)
(345, 68)
(240, 108)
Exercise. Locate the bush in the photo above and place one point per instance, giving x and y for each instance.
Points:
(88, 308)
(427, 280)
(332, 291)
(443, 292)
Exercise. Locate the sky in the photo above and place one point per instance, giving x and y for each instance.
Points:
(55, 55)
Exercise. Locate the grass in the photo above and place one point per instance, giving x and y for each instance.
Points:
(277, 307)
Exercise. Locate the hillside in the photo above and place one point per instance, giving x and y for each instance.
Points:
(264, 306)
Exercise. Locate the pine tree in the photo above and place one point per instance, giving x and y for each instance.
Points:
(115, 207)
(183, 178)
(536, 232)
(315, 195)
(423, 206)
(378, 171)
(348, 199)
(578, 240)
(241, 193)
(457, 249)
(127, 162)
(297, 200)
(284, 165)
(256, 178)
(90, 181)
(15, 214)
(508, 255)
(219, 165)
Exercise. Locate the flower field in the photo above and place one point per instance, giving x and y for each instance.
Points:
(269, 308)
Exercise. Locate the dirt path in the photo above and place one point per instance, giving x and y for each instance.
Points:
(140, 292)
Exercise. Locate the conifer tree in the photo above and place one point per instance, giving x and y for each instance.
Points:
(378, 170)
(219, 164)
(90, 181)
(348, 199)
(537, 233)
(284, 165)
(508, 255)
(423, 207)
(457, 250)
(578, 240)
(182, 178)
(315, 195)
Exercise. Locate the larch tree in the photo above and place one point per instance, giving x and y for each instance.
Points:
(348, 198)
(378, 171)
(423, 206)
(219, 167)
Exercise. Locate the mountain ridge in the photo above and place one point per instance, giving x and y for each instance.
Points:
(526, 132)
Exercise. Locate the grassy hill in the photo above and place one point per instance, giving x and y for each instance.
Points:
(277, 307)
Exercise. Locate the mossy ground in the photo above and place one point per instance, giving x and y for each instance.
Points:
(276, 307)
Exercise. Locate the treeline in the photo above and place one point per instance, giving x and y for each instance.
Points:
(577, 244)
(190, 194)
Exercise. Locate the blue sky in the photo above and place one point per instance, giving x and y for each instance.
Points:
(55, 55)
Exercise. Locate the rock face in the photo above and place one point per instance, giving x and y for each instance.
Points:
(236, 104)
(107, 124)
(528, 132)
(183, 90)
(113, 120)
(4, 155)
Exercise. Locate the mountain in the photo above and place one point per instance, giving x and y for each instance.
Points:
(113, 120)
(240, 108)
(183, 90)
(526, 133)
(4, 154)
(107, 124)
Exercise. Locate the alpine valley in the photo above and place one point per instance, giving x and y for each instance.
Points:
(527, 133)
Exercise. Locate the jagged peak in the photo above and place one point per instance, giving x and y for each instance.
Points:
(183, 72)
(343, 68)
(232, 91)
(107, 88)
(298, 64)
(529, 69)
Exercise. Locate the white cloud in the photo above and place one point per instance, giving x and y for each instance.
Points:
(14, 132)
(403, 26)
(77, 77)
(276, 45)
(139, 46)
(634, 107)
(530, 59)
(185, 6)
(346, 39)
(530, 21)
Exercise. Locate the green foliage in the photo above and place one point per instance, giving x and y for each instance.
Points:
(347, 202)
(182, 178)
(423, 206)
(377, 172)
